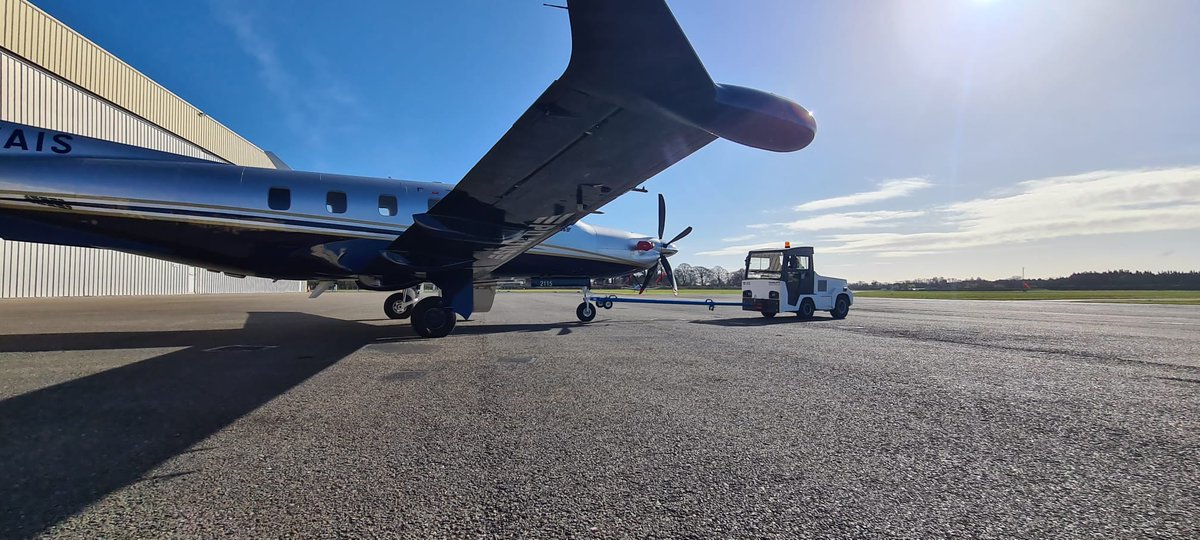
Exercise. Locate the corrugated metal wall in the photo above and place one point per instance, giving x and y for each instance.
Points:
(40, 270)
(31, 96)
(59, 80)
(211, 282)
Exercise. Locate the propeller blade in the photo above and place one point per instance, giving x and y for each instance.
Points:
(649, 276)
(670, 273)
(662, 216)
(680, 236)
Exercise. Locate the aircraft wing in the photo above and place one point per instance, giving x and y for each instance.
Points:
(634, 100)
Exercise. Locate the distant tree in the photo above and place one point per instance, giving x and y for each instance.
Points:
(720, 277)
(685, 275)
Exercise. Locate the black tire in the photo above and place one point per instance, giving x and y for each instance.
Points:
(807, 309)
(586, 312)
(393, 306)
(430, 319)
(768, 314)
(841, 307)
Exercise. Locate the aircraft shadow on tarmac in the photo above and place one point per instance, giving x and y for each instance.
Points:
(67, 446)
(762, 321)
(483, 329)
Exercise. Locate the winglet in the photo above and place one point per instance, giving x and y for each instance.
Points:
(633, 53)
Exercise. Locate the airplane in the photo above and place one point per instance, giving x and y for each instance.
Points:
(634, 99)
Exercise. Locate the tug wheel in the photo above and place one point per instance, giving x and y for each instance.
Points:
(807, 309)
(586, 312)
(841, 308)
(768, 314)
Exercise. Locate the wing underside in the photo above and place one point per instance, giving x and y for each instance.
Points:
(634, 100)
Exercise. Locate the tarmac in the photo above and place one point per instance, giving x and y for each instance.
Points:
(280, 416)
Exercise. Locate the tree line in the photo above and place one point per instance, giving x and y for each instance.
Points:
(686, 276)
(1094, 281)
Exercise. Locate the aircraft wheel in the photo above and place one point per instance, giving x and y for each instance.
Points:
(841, 308)
(398, 306)
(768, 314)
(586, 312)
(807, 309)
(430, 319)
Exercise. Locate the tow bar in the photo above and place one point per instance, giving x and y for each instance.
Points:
(587, 310)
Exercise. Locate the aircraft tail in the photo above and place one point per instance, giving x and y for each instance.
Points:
(633, 53)
(20, 140)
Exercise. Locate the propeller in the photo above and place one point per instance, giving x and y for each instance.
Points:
(662, 259)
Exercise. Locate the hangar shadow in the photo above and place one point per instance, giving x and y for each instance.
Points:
(67, 446)
(782, 318)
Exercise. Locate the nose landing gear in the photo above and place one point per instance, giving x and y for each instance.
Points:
(586, 311)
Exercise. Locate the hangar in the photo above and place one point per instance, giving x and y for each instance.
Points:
(53, 77)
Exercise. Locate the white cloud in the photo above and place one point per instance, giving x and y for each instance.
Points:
(741, 238)
(313, 104)
(738, 250)
(1095, 203)
(848, 220)
(890, 189)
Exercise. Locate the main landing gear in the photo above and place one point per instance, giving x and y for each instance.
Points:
(430, 317)
(400, 305)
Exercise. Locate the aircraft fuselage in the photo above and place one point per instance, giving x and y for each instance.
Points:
(271, 223)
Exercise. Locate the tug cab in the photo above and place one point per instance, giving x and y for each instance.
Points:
(779, 280)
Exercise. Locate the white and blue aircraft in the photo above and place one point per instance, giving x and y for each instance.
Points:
(633, 100)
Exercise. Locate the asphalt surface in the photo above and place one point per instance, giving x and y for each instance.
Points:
(909, 418)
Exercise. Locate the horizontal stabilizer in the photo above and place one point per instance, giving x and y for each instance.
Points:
(28, 141)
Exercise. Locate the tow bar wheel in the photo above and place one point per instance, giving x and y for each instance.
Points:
(586, 312)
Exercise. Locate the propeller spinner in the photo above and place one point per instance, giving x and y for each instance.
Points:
(662, 257)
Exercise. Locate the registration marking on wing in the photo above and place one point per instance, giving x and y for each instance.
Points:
(516, 245)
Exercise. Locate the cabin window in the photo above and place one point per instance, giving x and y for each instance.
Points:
(335, 202)
(387, 205)
(279, 198)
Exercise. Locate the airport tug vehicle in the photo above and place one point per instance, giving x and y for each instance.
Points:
(775, 280)
(779, 280)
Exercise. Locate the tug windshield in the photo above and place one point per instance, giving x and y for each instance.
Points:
(764, 265)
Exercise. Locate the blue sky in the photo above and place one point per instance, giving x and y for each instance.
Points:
(957, 138)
